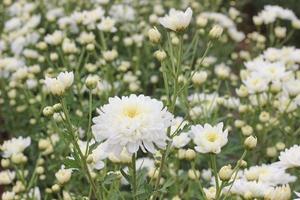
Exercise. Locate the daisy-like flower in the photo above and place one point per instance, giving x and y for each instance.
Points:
(57, 86)
(7, 177)
(298, 195)
(209, 139)
(290, 158)
(107, 24)
(181, 140)
(177, 20)
(14, 146)
(133, 122)
(279, 193)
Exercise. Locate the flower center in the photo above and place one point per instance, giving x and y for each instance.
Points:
(131, 111)
(212, 137)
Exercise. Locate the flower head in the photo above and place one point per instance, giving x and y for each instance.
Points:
(14, 146)
(133, 122)
(290, 158)
(177, 20)
(57, 86)
(209, 139)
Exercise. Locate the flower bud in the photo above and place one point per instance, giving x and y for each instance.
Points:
(63, 175)
(247, 130)
(48, 111)
(57, 107)
(271, 152)
(5, 163)
(193, 174)
(216, 31)
(250, 142)
(199, 77)
(160, 55)
(18, 158)
(55, 188)
(91, 82)
(225, 173)
(190, 154)
(154, 35)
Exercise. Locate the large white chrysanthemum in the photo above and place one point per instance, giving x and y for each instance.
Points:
(132, 122)
(290, 158)
(209, 139)
(14, 146)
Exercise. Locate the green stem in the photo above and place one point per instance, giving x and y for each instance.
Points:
(134, 183)
(215, 170)
(78, 150)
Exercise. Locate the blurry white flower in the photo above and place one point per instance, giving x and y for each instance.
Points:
(57, 86)
(98, 156)
(8, 195)
(256, 83)
(133, 122)
(290, 158)
(209, 139)
(279, 193)
(177, 20)
(54, 38)
(292, 87)
(63, 175)
(107, 24)
(7, 177)
(181, 140)
(14, 146)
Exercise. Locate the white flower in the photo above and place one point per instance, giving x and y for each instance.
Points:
(255, 83)
(279, 193)
(243, 187)
(66, 78)
(209, 139)
(54, 38)
(292, 87)
(290, 158)
(181, 140)
(98, 156)
(14, 146)
(107, 24)
(177, 20)
(63, 175)
(8, 195)
(132, 122)
(269, 174)
(57, 86)
(7, 177)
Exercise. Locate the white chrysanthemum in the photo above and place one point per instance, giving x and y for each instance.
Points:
(279, 193)
(177, 20)
(57, 86)
(181, 140)
(269, 174)
(107, 24)
(255, 83)
(298, 195)
(132, 122)
(292, 87)
(252, 188)
(290, 158)
(98, 156)
(14, 146)
(7, 177)
(209, 139)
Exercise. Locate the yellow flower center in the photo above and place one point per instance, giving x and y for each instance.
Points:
(131, 111)
(212, 137)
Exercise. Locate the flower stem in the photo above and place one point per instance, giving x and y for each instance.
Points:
(134, 183)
